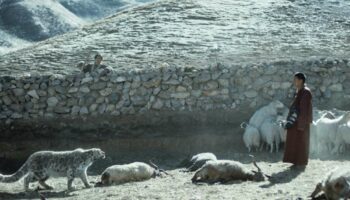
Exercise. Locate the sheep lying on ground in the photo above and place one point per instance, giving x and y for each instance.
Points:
(197, 161)
(136, 171)
(326, 130)
(251, 136)
(335, 185)
(226, 170)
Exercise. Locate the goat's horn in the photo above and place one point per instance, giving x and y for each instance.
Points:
(254, 163)
(243, 124)
(153, 165)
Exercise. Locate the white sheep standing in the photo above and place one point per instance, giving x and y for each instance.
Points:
(342, 138)
(327, 130)
(272, 133)
(317, 114)
(226, 170)
(136, 171)
(335, 185)
(271, 110)
(251, 136)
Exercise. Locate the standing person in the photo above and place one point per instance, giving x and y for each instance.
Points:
(298, 125)
(97, 66)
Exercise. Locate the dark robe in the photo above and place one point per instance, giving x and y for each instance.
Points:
(91, 67)
(298, 136)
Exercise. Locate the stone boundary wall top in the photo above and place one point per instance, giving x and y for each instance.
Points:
(171, 88)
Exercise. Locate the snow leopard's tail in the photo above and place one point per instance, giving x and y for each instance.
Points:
(16, 176)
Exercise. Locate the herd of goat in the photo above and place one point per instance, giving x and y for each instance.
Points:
(329, 132)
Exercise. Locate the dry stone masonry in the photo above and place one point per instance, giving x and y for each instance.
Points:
(170, 88)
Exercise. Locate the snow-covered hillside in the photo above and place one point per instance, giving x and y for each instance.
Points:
(23, 22)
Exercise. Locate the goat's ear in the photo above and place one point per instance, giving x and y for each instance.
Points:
(255, 172)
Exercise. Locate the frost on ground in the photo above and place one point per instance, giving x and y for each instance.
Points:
(196, 33)
(285, 184)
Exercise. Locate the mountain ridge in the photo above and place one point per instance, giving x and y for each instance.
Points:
(196, 34)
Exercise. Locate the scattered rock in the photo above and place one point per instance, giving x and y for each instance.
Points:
(33, 94)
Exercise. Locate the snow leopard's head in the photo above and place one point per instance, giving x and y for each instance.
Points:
(96, 153)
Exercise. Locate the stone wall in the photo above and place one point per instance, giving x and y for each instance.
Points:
(170, 88)
(166, 110)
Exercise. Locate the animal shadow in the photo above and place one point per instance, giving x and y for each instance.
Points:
(36, 195)
(285, 176)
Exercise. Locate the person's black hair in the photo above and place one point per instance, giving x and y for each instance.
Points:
(300, 76)
(98, 55)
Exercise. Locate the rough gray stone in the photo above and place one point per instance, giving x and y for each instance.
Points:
(84, 111)
(61, 110)
(98, 86)
(18, 92)
(75, 110)
(251, 93)
(102, 108)
(52, 101)
(33, 94)
(73, 90)
(84, 89)
(336, 87)
(106, 92)
(93, 107)
(203, 77)
(181, 95)
(110, 108)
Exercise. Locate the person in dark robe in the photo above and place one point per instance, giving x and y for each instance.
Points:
(298, 125)
(97, 66)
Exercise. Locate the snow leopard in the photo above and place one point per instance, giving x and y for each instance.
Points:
(42, 165)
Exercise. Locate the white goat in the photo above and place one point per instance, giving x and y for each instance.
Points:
(252, 129)
(335, 185)
(267, 111)
(327, 129)
(317, 114)
(226, 170)
(251, 136)
(198, 160)
(342, 138)
(136, 171)
(271, 133)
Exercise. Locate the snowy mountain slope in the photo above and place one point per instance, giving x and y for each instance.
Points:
(35, 20)
(196, 33)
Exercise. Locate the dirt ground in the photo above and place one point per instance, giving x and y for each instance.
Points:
(285, 183)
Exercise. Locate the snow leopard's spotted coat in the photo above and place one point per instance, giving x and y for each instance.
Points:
(44, 164)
